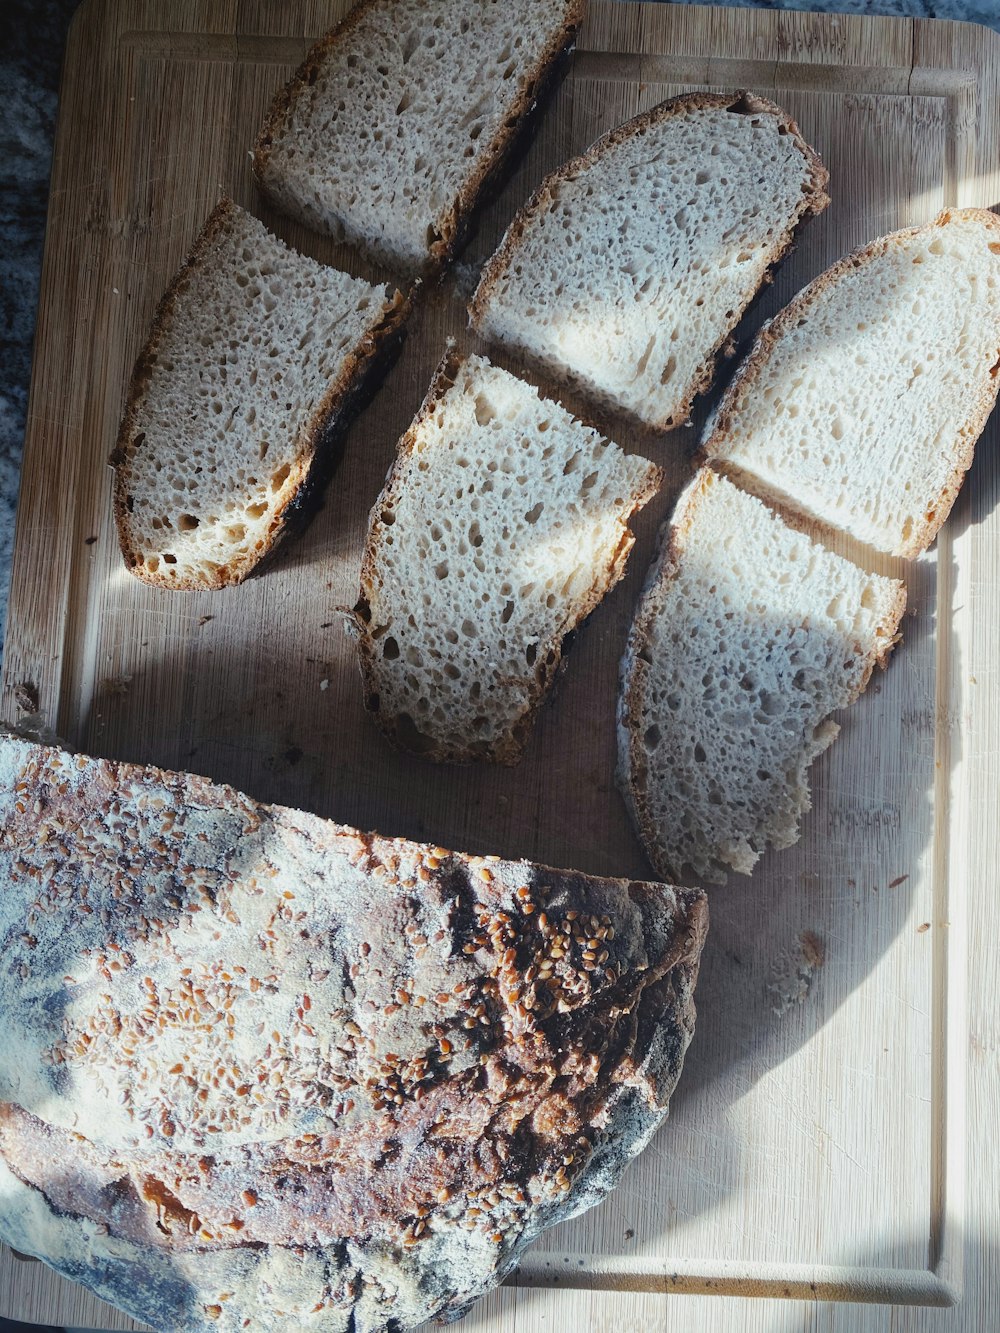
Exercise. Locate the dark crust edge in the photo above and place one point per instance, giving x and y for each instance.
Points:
(713, 447)
(507, 748)
(632, 773)
(814, 200)
(453, 226)
(673, 1027)
(362, 370)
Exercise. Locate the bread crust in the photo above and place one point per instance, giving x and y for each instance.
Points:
(438, 1148)
(508, 748)
(453, 224)
(632, 774)
(362, 370)
(814, 201)
(937, 507)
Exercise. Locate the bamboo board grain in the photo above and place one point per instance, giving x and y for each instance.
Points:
(818, 1142)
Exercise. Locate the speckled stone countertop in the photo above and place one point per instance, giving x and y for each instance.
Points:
(32, 40)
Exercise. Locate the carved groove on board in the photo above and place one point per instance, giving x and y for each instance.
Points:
(243, 48)
(798, 1282)
(602, 66)
(881, 80)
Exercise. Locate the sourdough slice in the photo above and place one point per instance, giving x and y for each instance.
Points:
(256, 360)
(502, 525)
(401, 116)
(861, 403)
(262, 1070)
(626, 271)
(748, 637)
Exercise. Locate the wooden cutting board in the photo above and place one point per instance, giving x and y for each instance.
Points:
(844, 1076)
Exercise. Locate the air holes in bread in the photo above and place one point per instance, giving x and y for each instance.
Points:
(500, 578)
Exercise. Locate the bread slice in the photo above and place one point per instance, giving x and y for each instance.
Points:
(861, 403)
(748, 637)
(261, 1070)
(626, 271)
(503, 523)
(401, 116)
(255, 362)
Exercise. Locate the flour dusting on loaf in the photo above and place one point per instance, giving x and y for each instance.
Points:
(261, 1066)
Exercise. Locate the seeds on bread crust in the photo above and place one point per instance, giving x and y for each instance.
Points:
(258, 1066)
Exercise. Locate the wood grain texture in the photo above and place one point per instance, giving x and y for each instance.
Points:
(833, 1138)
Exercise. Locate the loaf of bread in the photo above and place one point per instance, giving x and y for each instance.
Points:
(627, 270)
(400, 118)
(257, 358)
(861, 403)
(502, 525)
(748, 636)
(261, 1070)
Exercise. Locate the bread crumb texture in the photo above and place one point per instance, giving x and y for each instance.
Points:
(261, 1069)
(862, 402)
(749, 635)
(385, 134)
(631, 264)
(502, 525)
(252, 352)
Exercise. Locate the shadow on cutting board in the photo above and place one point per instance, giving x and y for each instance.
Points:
(261, 691)
(787, 949)
(274, 707)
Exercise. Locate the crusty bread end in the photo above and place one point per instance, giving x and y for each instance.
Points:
(307, 444)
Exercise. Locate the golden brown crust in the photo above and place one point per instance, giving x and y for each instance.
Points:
(887, 635)
(460, 1049)
(318, 436)
(508, 748)
(814, 201)
(712, 448)
(451, 226)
